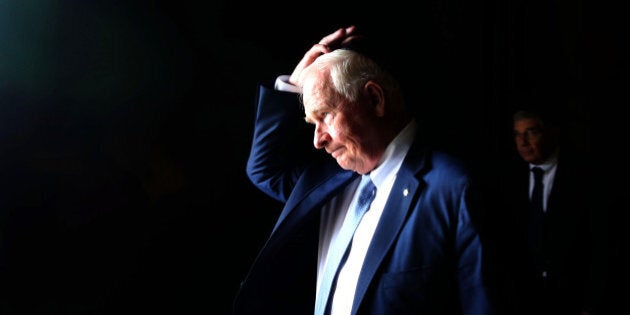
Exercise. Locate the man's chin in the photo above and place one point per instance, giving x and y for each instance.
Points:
(345, 167)
(527, 157)
(344, 164)
(531, 160)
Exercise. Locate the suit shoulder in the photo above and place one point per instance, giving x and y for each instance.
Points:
(445, 162)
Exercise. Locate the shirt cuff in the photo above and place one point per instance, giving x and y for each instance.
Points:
(282, 84)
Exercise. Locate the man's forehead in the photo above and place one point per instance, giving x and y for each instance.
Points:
(527, 123)
(312, 107)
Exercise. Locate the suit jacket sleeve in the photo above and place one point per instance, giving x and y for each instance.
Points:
(280, 146)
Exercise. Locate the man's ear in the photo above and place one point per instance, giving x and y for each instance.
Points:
(376, 96)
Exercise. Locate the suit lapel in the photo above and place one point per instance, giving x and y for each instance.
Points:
(307, 200)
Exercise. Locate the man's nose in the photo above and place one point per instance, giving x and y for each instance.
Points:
(320, 137)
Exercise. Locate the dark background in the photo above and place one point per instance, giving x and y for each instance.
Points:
(125, 128)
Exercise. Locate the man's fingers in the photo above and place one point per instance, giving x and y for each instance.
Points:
(338, 36)
(350, 29)
(327, 44)
(350, 39)
(331, 38)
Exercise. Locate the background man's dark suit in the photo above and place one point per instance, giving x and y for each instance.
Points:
(573, 251)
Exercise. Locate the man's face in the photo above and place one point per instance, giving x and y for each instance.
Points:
(533, 142)
(344, 129)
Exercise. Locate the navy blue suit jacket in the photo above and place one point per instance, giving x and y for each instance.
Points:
(425, 256)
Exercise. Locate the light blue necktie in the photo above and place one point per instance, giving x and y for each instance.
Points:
(340, 245)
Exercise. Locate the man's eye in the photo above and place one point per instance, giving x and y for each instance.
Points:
(529, 134)
(532, 132)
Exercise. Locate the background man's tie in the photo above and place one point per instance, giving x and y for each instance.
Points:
(535, 226)
(537, 194)
(341, 243)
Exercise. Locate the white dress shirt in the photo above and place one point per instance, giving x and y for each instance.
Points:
(549, 173)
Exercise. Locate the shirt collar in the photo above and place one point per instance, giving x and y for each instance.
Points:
(394, 154)
(551, 161)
